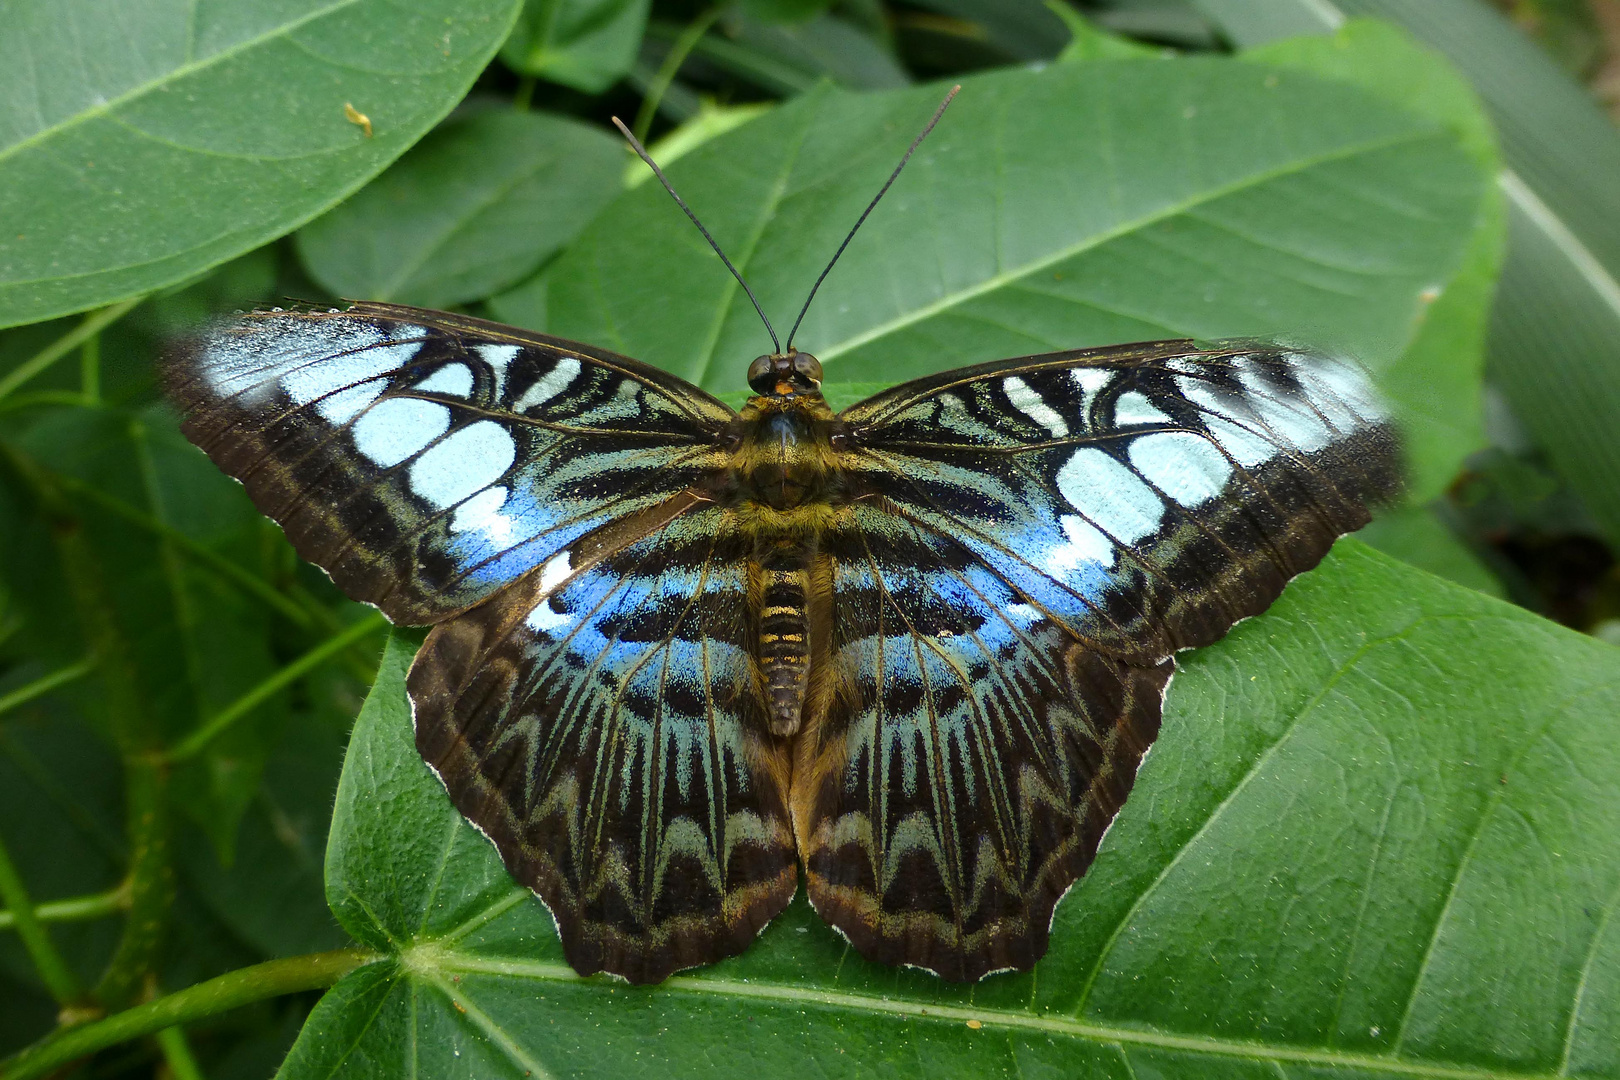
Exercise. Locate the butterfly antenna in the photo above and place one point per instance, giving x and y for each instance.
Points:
(635, 144)
(884, 190)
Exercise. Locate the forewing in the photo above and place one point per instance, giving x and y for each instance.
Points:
(425, 459)
(966, 758)
(601, 721)
(1036, 539)
(1145, 497)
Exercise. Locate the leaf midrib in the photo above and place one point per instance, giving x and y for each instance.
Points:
(173, 75)
(1124, 228)
(429, 963)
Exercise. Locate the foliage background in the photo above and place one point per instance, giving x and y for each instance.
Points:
(1378, 835)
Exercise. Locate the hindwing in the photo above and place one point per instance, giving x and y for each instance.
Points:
(1038, 537)
(601, 721)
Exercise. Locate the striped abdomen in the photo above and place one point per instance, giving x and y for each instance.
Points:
(784, 632)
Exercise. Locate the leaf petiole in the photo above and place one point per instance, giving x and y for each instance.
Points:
(273, 978)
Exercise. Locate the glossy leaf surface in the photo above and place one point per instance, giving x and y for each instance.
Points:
(106, 113)
(477, 205)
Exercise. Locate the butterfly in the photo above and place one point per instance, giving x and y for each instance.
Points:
(918, 647)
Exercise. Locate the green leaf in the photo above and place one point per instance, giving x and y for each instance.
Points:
(1373, 838)
(586, 44)
(1417, 535)
(1437, 380)
(473, 208)
(1555, 331)
(141, 147)
(1088, 41)
(1082, 204)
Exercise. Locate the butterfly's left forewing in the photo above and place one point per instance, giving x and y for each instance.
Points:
(424, 460)
(1035, 539)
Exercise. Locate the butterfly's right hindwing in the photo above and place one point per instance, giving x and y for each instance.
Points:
(424, 460)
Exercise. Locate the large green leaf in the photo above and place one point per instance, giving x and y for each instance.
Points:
(586, 44)
(1082, 204)
(1374, 839)
(143, 142)
(1555, 333)
(474, 207)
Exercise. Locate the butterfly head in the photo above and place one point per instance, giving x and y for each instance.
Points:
(785, 374)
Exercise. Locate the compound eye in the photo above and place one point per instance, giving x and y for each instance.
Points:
(807, 367)
(761, 380)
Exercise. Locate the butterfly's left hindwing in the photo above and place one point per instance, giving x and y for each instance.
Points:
(601, 722)
(424, 460)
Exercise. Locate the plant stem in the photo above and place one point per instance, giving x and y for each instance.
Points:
(194, 743)
(678, 52)
(48, 962)
(151, 879)
(76, 908)
(241, 987)
(525, 93)
(44, 685)
(90, 368)
(177, 1054)
(92, 325)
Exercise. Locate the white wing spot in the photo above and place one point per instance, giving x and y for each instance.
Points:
(1294, 420)
(396, 428)
(1133, 407)
(499, 358)
(452, 380)
(552, 574)
(1109, 495)
(549, 385)
(482, 512)
(1236, 436)
(1032, 405)
(467, 462)
(1182, 465)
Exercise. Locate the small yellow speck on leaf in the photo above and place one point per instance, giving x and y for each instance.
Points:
(355, 116)
(975, 1024)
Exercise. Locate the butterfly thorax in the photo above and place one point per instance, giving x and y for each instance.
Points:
(785, 487)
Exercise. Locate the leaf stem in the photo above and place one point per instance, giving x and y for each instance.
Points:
(44, 685)
(235, 988)
(177, 1054)
(678, 52)
(76, 908)
(59, 980)
(151, 879)
(194, 743)
(92, 324)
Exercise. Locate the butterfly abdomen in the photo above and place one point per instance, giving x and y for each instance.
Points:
(781, 581)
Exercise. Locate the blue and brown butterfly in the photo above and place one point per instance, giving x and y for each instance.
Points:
(918, 647)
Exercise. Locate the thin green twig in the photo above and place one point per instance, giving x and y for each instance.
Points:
(53, 970)
(678, 52)
(151, 880)
(93, 324)
(76, 908)
(90, 368)
(44, 685)
(194, 743)
(177, 1054)
(236, 988)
